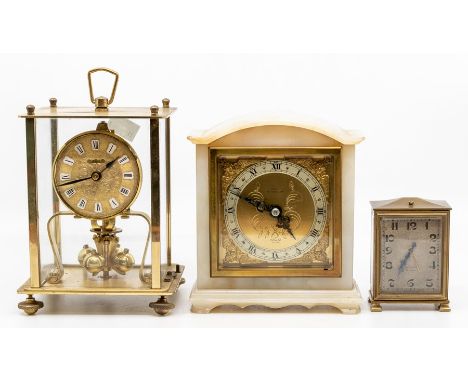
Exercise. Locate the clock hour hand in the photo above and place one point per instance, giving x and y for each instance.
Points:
(284, 222)
(109, 164)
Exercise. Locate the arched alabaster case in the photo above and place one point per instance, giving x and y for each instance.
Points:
(275, 214)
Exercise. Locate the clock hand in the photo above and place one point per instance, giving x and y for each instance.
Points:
(259, 205)
(283, 222)
(74, 181)
(406, 258)
(109, 164)
(96, 175)
(275, 211)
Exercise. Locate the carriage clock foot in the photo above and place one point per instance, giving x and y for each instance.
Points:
(162, 306)
(30, 305)
(374, 306)
(444, 307)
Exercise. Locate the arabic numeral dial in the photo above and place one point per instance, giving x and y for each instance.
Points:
(411, 255)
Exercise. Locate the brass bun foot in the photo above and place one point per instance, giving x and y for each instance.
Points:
(444, 307)
(375, 306)
(30, 306)
(162, 306)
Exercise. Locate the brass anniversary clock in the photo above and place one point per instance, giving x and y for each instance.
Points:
(96, 177)
(275, 200)
(410, 253)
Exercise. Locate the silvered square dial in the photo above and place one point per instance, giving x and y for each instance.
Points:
(97, 174)
(411, 253)
(275, 215)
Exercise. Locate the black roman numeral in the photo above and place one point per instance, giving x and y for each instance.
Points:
(235, 232)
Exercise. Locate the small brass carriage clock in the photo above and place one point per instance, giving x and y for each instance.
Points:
(410, 253)
(275, 203)
(97, 176)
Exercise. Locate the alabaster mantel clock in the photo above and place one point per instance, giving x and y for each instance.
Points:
(275, 202)
(410, 253)
(84, 177)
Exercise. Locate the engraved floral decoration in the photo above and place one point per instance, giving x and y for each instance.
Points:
(319, 255)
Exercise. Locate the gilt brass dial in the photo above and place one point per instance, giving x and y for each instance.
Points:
(97, 174)
(275, 212)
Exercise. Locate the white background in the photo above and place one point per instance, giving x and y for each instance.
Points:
(411, 108)
(391, 99)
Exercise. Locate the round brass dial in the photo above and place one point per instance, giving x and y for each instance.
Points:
(275, 211)
(97, 174)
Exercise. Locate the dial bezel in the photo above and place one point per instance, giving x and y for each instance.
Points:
(376, 290)
(285, 269)
(74, 209)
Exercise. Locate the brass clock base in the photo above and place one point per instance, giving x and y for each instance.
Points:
(346, 301)
(76, 281)
(375, 306)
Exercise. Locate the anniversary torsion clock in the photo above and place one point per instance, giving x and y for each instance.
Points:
(275, 215)
(410, 253)
(97, 176)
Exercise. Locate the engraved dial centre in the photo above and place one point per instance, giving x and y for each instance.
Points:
(275, 210)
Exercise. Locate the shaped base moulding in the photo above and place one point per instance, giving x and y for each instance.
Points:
(346, 301)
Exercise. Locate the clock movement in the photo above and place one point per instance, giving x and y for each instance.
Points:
(96, 176)
(410, 253)
(275, 202)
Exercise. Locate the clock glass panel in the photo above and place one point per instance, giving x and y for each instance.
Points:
(411, 255)
(275, 214)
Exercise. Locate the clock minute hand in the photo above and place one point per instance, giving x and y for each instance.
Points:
(253, 202)
(406, 258)
(74, 181)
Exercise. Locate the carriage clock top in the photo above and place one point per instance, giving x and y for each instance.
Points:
(85, 168)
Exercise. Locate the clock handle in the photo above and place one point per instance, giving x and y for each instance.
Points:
(102, 102)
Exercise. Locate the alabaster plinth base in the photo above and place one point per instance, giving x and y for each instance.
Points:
(345, 301)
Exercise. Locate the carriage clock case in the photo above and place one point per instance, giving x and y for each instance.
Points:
(275, 214)
(410, 254)
(84, 170)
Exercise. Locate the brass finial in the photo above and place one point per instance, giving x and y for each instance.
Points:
(53, 102)
(101, 103)
(165, 102)
(102, 126)
(30, 109)
(154, 110)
